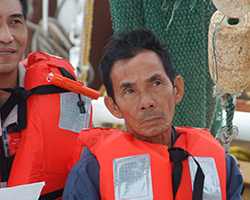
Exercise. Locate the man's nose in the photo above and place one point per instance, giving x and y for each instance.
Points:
(5, 34)
(146, 101)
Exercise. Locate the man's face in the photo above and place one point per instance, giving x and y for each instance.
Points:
(144, 95)
(13, 35)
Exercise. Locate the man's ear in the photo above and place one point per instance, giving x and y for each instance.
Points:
(178, 89)
(112, 107)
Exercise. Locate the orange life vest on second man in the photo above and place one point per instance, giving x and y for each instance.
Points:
(53, 124)
(131, 168)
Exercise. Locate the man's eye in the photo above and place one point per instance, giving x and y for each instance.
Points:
(129, 91)
(15, 21)
(157, 83)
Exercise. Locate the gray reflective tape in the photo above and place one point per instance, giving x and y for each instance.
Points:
(211, 188)
(70, 117)
(132, 178)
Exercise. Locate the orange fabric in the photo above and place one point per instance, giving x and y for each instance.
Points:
(45, 149)
(108, 144)
(194, 140)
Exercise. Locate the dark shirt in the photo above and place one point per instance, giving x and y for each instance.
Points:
(6, 164)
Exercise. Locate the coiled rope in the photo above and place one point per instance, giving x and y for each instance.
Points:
(56, 41)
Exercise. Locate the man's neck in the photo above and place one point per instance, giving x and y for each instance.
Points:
(165, 138)
(8, 80)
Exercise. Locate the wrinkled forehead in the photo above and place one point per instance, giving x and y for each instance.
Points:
(146, 61)
(145, 68)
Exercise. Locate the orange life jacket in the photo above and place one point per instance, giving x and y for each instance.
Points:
(53, 124)
(116, 150)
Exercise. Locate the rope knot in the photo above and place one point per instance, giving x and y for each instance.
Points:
(21, 92)
(177, 154)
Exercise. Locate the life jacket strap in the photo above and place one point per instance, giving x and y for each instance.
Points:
(177, 155)
(52, 195)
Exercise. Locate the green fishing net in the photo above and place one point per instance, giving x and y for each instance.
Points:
(183, 24)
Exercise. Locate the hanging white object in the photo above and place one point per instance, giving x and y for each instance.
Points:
(45, 15)
(241, 120)
(69, 10)
(76, 17)
(101, 114)
(228, 52)
(233, 8)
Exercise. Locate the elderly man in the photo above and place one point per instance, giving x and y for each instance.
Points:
(154, 159)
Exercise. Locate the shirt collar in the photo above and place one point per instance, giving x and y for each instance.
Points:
(21, 73)
(174, 134)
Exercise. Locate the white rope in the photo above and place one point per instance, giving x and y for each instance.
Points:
(55, 41)
(227, 139)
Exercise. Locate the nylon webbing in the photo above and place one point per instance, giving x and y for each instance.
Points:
(66, 73)
(52, 195)
(18, 97)
(177, 155)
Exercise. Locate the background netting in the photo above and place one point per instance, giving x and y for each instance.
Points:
(183, 24)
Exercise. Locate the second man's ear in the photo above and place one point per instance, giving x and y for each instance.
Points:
(112, 107)
(178, 89)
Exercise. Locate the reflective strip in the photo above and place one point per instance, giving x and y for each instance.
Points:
(70, 117)
(211, 188)
(132, 178)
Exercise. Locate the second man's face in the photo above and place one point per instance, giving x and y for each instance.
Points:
(144, 95)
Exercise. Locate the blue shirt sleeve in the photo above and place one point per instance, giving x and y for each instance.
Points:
(234, 179)
(83, 180)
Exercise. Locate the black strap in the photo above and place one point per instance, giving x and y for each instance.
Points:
(17, 94)
(198, 182)
(52, 195)
(177, 155)
(66, 73)
(18, 97)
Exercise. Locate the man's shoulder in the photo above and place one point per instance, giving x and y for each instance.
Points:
(92, 133)
(195, 132)
(103, 130)
(184, 129)
(86, 161)
(84, 172)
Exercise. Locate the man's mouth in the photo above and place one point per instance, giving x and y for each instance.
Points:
(6, 52)
(151, 120)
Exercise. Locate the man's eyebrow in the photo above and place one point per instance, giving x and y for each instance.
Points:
(126, 85)
(17, 15)
(153, 78)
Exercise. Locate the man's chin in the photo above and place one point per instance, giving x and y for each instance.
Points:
(151, 132)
